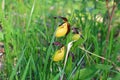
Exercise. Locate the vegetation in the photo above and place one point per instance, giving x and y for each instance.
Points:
(28, 31)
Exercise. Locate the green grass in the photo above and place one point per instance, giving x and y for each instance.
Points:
(28, 32)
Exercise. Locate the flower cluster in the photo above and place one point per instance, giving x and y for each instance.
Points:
(61, 31)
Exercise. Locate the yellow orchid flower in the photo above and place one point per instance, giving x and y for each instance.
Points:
(59, 54)
(62, 30)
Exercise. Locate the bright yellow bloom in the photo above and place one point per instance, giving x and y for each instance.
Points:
(62, 30)
(59, 54)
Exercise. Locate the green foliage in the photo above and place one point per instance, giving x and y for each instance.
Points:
(85, 74)
(1, 36)
(27, 29)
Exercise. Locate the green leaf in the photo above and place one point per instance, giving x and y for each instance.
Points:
(26, 70)
(13, 73)
(1, 36)
(103, 66)
(69, 65)
(117, 77)
(85, 73)
(58, 75)
(77, 43)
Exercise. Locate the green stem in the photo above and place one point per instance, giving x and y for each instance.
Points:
(98, 56)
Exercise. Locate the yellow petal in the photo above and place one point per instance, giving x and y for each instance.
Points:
(59, 54)
(62, 30)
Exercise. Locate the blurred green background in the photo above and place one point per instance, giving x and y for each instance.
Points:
(27, 30)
